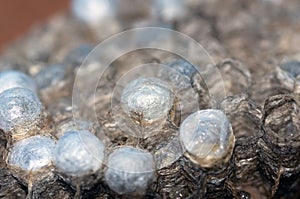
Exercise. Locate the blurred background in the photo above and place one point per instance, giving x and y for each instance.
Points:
(16, 17)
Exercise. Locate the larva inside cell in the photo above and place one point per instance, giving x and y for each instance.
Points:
(207, 137)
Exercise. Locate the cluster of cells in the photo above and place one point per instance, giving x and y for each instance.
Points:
(206, 135)
(216, 150)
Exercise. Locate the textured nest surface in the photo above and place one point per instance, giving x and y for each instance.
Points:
(263, 102)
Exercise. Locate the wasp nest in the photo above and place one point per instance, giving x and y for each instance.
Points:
(181, 127)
